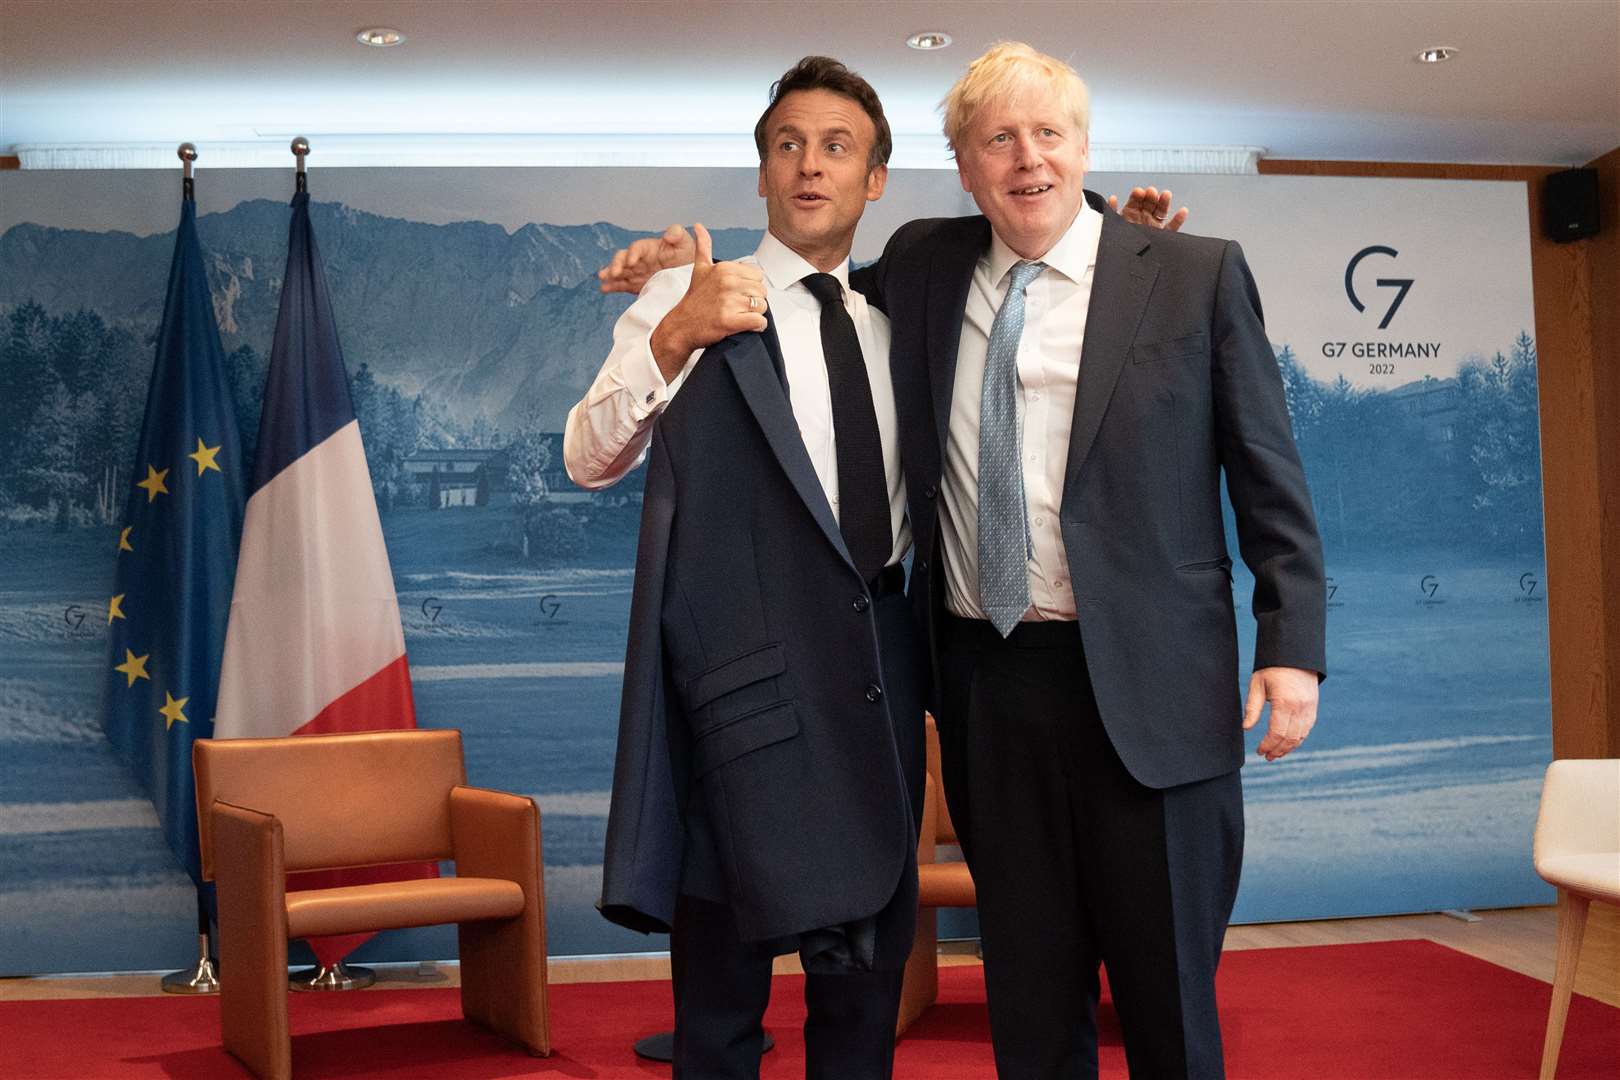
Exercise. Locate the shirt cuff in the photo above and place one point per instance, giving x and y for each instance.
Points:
(648, 390)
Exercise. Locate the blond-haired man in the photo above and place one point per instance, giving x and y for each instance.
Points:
(1071, 389)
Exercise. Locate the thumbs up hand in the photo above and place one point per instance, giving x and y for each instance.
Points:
(723, 299)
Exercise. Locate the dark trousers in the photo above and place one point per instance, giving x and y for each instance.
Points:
(723, 984)
(1078, 865)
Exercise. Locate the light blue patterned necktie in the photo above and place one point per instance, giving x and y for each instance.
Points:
(1004, 540)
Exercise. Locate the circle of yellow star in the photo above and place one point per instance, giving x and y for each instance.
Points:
(171, 710)
(153, 483)
(204, 457)
(115, 608)
(123, 539)
(133, 667)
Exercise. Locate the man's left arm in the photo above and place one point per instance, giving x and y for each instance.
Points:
(1276, 528)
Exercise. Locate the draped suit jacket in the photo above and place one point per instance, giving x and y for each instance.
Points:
(756, 761)
(1178, 385)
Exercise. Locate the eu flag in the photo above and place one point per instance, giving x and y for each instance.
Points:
(176, 555)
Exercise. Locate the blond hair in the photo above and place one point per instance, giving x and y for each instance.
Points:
(1006, 72)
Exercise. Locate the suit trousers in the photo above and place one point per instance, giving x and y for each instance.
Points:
(722, 984)
(1079, 866)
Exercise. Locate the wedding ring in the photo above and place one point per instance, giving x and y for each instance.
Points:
(753, 302)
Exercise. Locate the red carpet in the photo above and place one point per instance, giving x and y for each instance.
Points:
(1408, 1010)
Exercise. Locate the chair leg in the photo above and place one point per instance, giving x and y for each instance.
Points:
(503, 979)
(1572, 909)
(919, 987)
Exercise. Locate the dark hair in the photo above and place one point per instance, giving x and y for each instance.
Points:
(825, 73)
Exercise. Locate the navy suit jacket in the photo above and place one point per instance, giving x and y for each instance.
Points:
(756, 760)
(1178, 385)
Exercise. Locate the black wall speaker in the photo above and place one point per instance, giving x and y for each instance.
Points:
(1569, 205)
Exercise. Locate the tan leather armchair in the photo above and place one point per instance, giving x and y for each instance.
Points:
(1577, 848)
(267, 807)
(939, 884)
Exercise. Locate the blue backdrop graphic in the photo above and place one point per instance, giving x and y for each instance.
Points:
(467, 341)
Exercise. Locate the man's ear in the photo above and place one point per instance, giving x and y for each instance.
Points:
(875, 181)
(961, 174)
(762, 179)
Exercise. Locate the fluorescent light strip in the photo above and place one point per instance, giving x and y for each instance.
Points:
(663, 151)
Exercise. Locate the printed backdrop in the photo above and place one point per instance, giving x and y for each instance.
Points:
(1400, 312)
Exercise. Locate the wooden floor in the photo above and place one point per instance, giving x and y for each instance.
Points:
(1523, 939)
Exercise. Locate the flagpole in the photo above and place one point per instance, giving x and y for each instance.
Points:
(200, 978)
(336, 976)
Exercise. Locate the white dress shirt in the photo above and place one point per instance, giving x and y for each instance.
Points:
(608, 431)
(1055, 308)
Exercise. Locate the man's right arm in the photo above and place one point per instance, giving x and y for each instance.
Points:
(609, 428)
(678, 315)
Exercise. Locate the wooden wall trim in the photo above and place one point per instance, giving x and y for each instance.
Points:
(1577, 343)
(12, 162)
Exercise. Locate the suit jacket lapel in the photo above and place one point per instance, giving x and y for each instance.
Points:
(948, 284)
(1120, 287)
(757, 367)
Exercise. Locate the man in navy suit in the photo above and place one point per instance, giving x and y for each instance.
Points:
(1072, 389)
(769, 775)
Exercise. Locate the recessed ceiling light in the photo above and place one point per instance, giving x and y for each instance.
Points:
(1436, 54)
(380, 37)
(929, 40)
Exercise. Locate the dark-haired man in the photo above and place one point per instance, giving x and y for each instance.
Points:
(770, 761)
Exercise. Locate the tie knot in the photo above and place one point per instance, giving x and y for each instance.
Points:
(1024, 272)
(825, 288)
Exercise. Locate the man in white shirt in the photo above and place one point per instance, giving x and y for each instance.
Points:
(769, 774)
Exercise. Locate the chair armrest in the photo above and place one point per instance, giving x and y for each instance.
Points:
(495, 834)
(248, 866)
(926, 842)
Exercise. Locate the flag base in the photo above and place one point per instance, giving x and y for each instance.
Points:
(337, 977)
(197, 979)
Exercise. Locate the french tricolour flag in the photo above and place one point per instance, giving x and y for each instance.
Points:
(314, 643)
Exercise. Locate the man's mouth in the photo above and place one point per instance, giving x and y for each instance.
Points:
(809, 197)
(1032, 190)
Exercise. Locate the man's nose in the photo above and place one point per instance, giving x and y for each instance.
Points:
(810, 162)
(1025, 153)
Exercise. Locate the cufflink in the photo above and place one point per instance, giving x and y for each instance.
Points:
(652, 396)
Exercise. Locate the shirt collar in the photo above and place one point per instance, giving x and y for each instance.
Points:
(1074, 253)
(783, 266)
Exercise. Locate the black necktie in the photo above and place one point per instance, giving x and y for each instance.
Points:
(863, 491)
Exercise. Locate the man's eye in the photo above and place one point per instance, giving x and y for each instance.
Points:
(1000, 137)
(1049, 133)
(788, 145)
(835, 147)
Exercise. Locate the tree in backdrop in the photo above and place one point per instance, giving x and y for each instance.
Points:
(1500, 422)
(75, 391)
(545, 531)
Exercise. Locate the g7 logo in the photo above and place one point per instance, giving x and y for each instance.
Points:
(1403, 284)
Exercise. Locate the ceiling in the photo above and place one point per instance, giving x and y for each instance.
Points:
(1534, 82)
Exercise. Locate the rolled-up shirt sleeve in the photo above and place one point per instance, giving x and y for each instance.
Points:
(608, 430)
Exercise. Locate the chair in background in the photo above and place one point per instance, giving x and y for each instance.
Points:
(267, 807)
(939, 884)
(1577, 849)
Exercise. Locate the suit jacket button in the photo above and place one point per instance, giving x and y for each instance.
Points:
(931, 491)
(859, 603)
(874, 693)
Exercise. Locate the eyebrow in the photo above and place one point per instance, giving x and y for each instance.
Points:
(796, 131)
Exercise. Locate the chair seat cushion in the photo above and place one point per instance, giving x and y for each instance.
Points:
(1596, 875)
(389, 905)
(945, 884)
